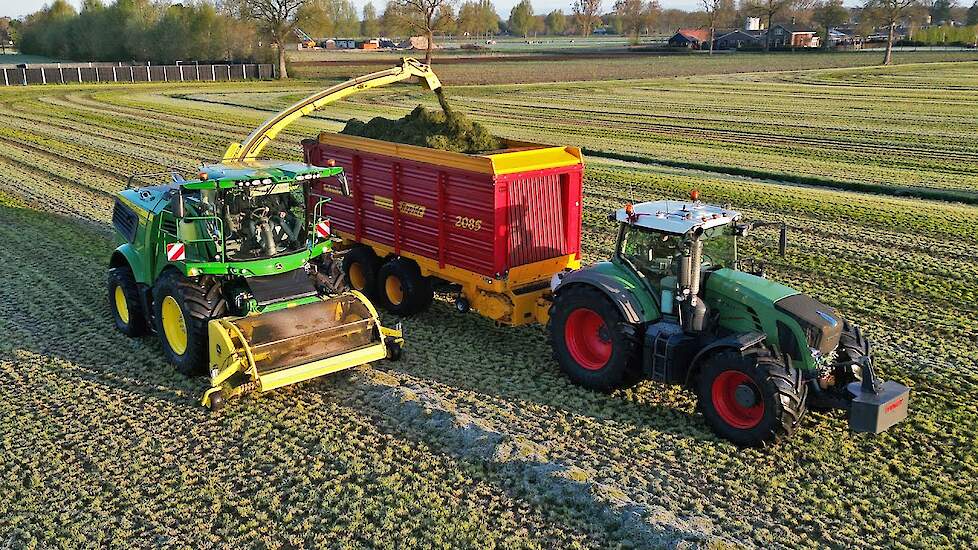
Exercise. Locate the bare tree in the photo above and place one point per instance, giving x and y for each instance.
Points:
(278, 19)
(636, 16)
(426, 17)
(713, 10)
(586, 13)
(889, 13)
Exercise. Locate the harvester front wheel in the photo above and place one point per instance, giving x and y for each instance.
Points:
(127, 312)
(181, 309)
(402, 289)
(595, 347)
(360, 267)
(750, 399)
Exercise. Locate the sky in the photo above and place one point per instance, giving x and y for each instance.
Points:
(18, 8)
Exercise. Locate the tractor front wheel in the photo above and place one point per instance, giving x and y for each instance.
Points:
(127, 311)
(751, 399)
(181, 309)
(595, 347)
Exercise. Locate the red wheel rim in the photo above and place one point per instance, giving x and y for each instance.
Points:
(587, 339)
(728, 407)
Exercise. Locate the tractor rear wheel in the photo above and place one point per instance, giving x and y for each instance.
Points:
(751, 399)
(181, 309)
(594, 345)
(360, 267)
(402, 289)
(127, 310)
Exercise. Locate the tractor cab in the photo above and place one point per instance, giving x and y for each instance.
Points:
(247, 213)
(671, 246)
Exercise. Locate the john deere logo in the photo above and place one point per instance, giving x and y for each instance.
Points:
(279, 266)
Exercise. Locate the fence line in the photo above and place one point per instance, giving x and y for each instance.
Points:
(27, 75)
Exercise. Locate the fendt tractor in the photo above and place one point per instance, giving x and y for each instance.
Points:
(235, 275)
(674, 306)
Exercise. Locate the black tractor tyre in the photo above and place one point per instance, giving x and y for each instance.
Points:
(750, 399)
(199, 300)
(592, 342)
(122, 278)
(401, 289)
(364, 265)
(852, 346)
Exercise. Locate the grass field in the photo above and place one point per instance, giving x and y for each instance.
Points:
(598, 64)
(475, 440)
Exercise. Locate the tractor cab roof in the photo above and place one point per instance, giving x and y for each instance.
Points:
(256, 172)
(677, 217)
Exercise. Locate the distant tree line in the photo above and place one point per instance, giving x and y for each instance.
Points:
(242, 30)
(138, 30)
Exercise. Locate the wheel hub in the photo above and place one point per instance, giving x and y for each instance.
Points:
(588, 339)
(737, 399)
(745, 396)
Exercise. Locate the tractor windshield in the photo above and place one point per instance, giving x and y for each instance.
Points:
(652, 253)
(263, 221)
(719, 247)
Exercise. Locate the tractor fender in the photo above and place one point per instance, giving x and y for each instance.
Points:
(626, 302)
(737, 342)
(127, 255)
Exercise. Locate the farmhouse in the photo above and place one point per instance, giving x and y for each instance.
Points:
(790, 35)
(739, 39)
(690, 38)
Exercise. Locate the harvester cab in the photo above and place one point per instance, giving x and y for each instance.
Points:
(675, 305)
(234, 271)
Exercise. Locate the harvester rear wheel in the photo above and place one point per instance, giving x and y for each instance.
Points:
(751, 399)
(401, 288)
(360, 267)
(181, 309)
(127, 311)
(595, 347)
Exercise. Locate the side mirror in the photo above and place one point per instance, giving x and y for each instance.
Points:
(344, 184)
(783, 240)
(176, 204)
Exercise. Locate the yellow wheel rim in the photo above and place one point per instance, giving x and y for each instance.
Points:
(174, 327)
(121, 307)
(357, 277)
(395, 295)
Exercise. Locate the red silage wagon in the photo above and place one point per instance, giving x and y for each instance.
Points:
(497, 225)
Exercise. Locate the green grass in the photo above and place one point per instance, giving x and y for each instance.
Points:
(475, 440)
(599, 65)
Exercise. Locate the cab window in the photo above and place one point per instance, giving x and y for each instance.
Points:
(654, 254)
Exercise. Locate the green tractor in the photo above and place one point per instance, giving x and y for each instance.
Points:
(674, 306)
(235, 275)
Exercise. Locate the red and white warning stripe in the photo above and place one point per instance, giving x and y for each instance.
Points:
(323, 229)
(176, 252)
